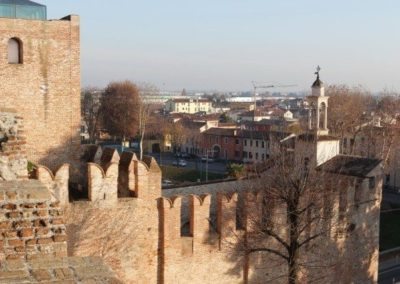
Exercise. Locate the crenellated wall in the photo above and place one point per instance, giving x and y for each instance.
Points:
(205, 255)
(56, 183)
(119, 220)
(193, 237)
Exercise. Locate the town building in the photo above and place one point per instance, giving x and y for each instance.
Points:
(376, 138)
(255, 146)
(189, 106)
(222, 143)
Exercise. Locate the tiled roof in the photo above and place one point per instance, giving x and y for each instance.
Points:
(318, 83)
(350, 165)
(259, 135)
(191, 100)
(221, 131)
(313, 137)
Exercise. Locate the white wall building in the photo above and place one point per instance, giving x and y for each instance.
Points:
(189, 106)
(255, 146)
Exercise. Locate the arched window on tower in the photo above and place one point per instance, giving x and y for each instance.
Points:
(322, 115)
(14, 51)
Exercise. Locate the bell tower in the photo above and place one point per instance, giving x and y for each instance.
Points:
(318, 113)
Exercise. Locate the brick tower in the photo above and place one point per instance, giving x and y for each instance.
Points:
(40, 79)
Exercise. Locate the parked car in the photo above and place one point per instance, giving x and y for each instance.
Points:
(166, 182)
(179, 163)
(209, 159)
(182, 155)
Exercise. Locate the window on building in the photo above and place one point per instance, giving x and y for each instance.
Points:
(262, 144)
(237, 141)
(245, 142)
(256, 156)
(387, 178)
(357, 194)
(344, 142)
(256, 143)
(306, 162)
(262, 157)
(250, 155)
(342, 203)
(251, 143)
(245, 154)
(15, 51)
(226, 140)
(371, 182)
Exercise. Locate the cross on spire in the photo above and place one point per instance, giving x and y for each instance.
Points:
(317, 72)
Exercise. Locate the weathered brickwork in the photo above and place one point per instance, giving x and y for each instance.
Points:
(45, 87)
(31, 224)
(13, 162)
(120, 221)
(69, 270)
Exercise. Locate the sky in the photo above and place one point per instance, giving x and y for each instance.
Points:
(226, 44)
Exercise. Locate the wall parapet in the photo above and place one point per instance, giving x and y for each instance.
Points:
(113, 177)
(56, 183)
(102, 184)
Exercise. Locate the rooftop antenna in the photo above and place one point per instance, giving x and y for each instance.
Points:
(257, 85)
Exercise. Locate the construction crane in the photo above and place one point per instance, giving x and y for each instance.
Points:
(257, 86)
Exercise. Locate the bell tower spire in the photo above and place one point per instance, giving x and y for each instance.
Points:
(318, 112)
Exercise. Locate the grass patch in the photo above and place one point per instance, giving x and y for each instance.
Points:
(181, 174)
(389, 230)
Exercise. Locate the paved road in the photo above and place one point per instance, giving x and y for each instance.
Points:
(391, 197)
(390, 276)
(168, 159)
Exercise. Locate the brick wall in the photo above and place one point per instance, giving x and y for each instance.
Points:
(46, 87)
(31, 225)
(13, 162)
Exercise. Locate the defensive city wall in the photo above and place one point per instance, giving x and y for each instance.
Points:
(146, 238)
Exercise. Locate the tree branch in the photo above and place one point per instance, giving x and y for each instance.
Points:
(268, 250)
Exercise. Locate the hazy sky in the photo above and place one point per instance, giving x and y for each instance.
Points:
(226, 44)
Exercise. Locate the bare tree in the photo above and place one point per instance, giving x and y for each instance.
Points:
(347, 109)
(120, 105)
(388, 111)
(302, 213)
(176, 134)
(292, 215)
(146, 90)
(91, 111)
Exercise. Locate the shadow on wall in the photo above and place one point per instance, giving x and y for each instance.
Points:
(343, 251)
